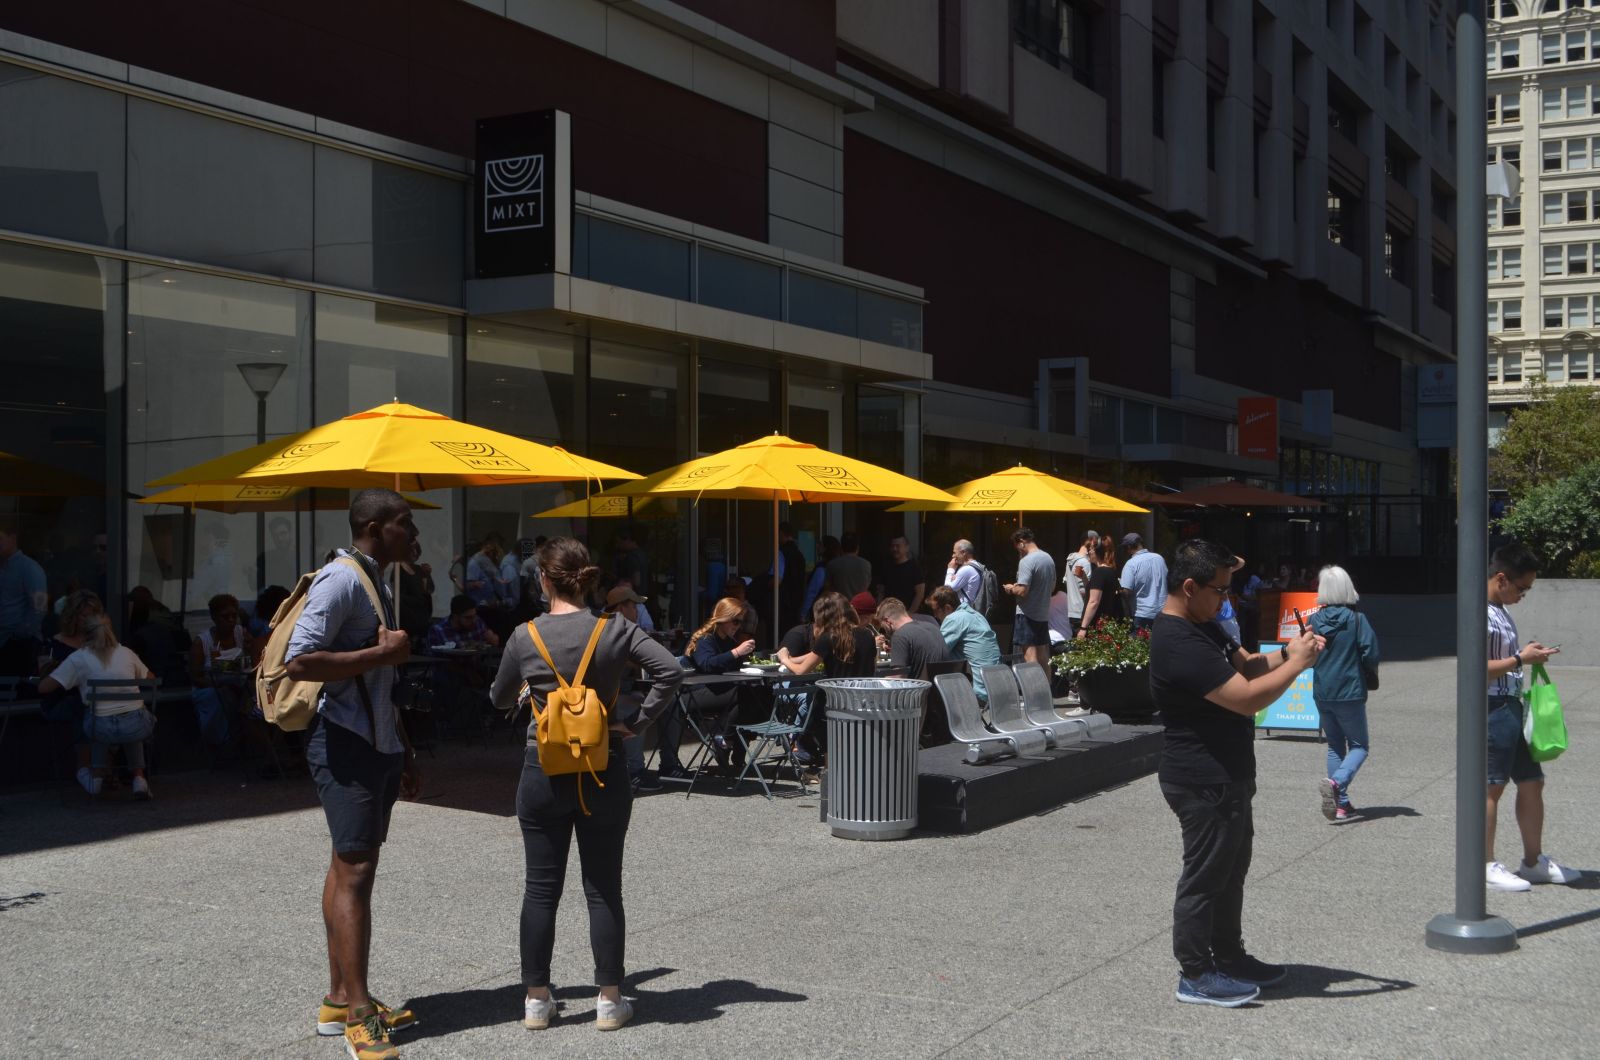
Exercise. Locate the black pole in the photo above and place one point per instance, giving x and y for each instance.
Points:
(261, 516)
(1470, 929)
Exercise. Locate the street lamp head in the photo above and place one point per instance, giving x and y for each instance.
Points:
(1502, 181)
(261, 376)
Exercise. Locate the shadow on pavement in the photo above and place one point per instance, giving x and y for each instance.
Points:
(1571, 920)
(1378, 813)
(460, 1010)
(1313, 980)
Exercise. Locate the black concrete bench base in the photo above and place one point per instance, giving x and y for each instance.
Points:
(955, 797)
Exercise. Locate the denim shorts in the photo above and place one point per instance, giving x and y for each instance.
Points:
(1508, 751)
(357, 784)
(1030, 632)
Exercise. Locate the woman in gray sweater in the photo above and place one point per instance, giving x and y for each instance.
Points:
(548, 807)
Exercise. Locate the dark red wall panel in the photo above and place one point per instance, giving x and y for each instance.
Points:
(425, 70)
(803, 29)
(1007, 284)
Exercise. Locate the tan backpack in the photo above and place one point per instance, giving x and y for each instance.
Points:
(285, 702)
(572, 730)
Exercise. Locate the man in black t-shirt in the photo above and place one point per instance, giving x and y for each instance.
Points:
(903, 580)
(1209, 689)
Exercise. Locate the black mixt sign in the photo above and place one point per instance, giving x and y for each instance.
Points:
(524, 207)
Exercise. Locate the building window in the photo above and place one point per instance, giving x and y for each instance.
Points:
(1552, 208)
(1505, 315)
(1511, 213)
(1511, 368)
(1552, 261)
(1493, 362)
(1550, 156)
(1577, 206)
(1578, 311)
(1550, 49)
(1550, 108)
(1577, 154)
(1057, 31)
(1555, 368)
(1510, 58)
(1336, 216)
(1578, 365)
(1554, 314)
(1578, 259)
(1577, 47)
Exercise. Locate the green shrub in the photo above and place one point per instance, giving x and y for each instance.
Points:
(1560, 521)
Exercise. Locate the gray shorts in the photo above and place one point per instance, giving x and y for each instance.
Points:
(1509, 759)
(358, 785)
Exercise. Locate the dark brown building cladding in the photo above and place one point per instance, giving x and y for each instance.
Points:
(1006, 284)
(1280, 337)
(801, 29)
(425, 70)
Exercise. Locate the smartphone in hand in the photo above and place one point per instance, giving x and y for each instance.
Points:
(1300, 620)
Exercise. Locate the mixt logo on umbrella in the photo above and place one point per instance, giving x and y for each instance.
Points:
(989, 498)
(699, 474)
(291, 456)
(480, 456)
(833, 477)
(260, 493)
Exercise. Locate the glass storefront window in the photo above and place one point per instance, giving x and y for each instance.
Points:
(69, 186)
(370, 353)
(891, 321)
(737, 404)
(62, 314)
(187, 402)
(630, 257)
(741, 284)
(818, 303)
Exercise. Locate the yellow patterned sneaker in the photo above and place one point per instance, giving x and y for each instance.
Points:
(369, 1039)
(330, 1018)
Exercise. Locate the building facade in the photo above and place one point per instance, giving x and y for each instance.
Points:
(943, 236)
(1544, 247)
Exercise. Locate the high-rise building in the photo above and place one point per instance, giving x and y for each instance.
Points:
(944, 236)
(1544, 247)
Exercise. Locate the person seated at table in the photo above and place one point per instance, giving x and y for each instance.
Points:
(967, 634)
(462, 626)
(722, 646)
(864, 605)
(839, 646)
(911, 645)
(267, 604)
(124, 723)
(219, 664)
(67, 706)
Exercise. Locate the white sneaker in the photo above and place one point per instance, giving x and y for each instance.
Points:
(90, 782)
(537, 1014)
(1077, 712)
(609, 1015)
(1501, 879)
(1546, 870)
(141, 789)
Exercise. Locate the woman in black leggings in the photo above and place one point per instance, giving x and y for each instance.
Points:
(552, 809)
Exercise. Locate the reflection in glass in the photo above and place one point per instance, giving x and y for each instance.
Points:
(69, 186)
(630, 257)
(188, 402)
(824, 304)
(741, 284)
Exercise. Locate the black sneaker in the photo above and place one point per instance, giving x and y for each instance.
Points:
(1214, 988)
(1249, 970)
(646, 781)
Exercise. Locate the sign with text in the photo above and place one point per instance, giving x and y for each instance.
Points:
(1296, 708)
(523, 215)
(1436, 406)
(1258, 428)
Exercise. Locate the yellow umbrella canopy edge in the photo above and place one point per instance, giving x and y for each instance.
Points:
(597, 506)
(1022, 489)
(396, 446)
(253, 498)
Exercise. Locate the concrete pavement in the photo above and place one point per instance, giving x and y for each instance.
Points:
(190, 926)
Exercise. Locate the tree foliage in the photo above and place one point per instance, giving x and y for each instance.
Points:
(1549, 440)
(1560, 520)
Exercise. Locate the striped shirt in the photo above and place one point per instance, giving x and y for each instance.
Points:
(1503, 645)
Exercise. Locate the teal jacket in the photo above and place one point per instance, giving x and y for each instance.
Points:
(969, 636)
(1351, 646)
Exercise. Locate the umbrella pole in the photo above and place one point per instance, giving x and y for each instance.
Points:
(183, 561)
(776, 557)
(395, 588)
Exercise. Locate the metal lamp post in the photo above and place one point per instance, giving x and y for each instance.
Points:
(1470, 929)
(261, 377)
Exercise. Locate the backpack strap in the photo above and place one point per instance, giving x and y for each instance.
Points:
(538, 642)
(588, 652)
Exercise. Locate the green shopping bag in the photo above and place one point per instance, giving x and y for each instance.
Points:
(1543, 726)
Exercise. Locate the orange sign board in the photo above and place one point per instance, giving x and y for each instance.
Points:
(1288, 628)
(1258, 428)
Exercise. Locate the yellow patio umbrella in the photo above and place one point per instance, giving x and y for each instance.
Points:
(776, 468)
(598, 506)
(231, 500)
(1021, 489)
(395, 446)
(21, 477)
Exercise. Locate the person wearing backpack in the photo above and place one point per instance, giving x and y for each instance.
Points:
(348, 637)
(571, 660)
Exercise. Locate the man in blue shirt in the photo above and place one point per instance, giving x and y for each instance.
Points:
(23, 600)
(1145, 574)
(967, 634)
(357, 749)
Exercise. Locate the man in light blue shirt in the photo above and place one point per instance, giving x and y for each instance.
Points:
(356, 746)
(961, 575)
(23, 600)
(1145, 574)
(967, 635)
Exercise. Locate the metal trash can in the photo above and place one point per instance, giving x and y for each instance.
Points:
(871, 782)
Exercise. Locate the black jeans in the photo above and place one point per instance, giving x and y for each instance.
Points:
(549, 812)
(1218, 828)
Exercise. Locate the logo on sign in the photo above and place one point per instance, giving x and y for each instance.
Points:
(292, 456)
(832, 477)
(989, 498)
(696, 477)
(513, 193)
(480, 456)
(261, 493)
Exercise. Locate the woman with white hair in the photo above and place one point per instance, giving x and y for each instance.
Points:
(1344, 672)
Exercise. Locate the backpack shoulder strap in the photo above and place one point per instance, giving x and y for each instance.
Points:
(588, 652)
(538, 642)
(366, 583)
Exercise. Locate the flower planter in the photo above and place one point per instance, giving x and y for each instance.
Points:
(1123, 694)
